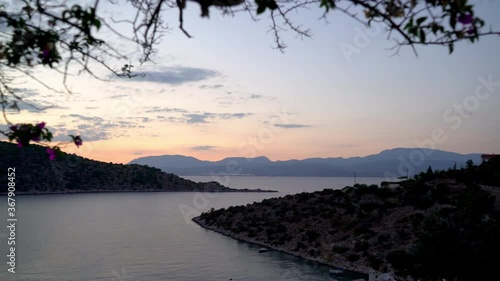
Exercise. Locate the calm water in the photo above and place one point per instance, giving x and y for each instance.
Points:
(148, 236)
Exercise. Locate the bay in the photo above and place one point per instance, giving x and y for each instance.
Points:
(149, 236)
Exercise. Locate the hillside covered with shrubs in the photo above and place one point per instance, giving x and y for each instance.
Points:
(438, 225)
(36, 174)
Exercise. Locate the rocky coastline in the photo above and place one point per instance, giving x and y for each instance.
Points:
(436, 226)
(338, 264)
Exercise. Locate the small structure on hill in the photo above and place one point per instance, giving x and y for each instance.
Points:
(487, 157)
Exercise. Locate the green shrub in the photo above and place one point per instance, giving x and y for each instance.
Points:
(312, 235)
(340, 249)
(361, 246)
(352, 257)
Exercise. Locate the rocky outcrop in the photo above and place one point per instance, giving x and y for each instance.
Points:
(420, 228)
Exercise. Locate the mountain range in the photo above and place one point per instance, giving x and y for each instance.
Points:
(390, 163)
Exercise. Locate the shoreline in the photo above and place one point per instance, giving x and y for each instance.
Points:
(348, 266)
(134, 191)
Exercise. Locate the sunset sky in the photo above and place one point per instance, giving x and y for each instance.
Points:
(227, 92)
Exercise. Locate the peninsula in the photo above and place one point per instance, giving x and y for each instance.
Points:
(36, 174)
(441, 224)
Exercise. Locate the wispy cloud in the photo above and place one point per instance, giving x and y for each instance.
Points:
(203, 147)
(62, 135)
(93, 128)
(255, 96)
(291, 126)
(93, 119)
(117, 96)
(195, 118)
(157, 109)
(176, 75)
(29, 103)
(31, 106)
(216, 86)
(183, 116)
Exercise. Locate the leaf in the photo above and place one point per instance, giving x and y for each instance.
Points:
(271, 4)
(327, 4)
(409, 24)
(450, 48)
(261, 9)
(435, 28)
(453, 20)
(421, 20)
(422, 36)
(97, 23)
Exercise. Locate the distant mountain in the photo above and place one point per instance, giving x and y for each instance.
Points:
(33, 173)
(388, 163)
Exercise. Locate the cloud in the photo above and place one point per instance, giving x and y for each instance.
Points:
(62, 135)
(216, 86)
(229, 100)
(93, 119)
(291, 126)
(93, 128)
(255, 96)
(176, 75)
(233, 115)
(25, 92)
(117, 96)
(32, 106)
(203, 147)
(203, 118)
(156, 109)
(197, 118)
(28, 102)
(183, 116)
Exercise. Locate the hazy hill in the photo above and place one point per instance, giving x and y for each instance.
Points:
(35, 173)
(392, 162)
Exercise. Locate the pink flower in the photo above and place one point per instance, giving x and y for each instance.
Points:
(41, 125)
(35, 138)
(465, 19)
(45, 53)
(51, 153)
(78, 141)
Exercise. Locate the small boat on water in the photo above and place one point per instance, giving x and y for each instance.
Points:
(263, 250)
(335, 271)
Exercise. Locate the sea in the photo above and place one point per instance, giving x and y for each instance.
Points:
(149, 236)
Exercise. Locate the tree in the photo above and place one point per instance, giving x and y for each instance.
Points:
(429, 174)
(60, 36)
(470, 165)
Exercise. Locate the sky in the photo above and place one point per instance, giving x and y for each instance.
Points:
(227, 92)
